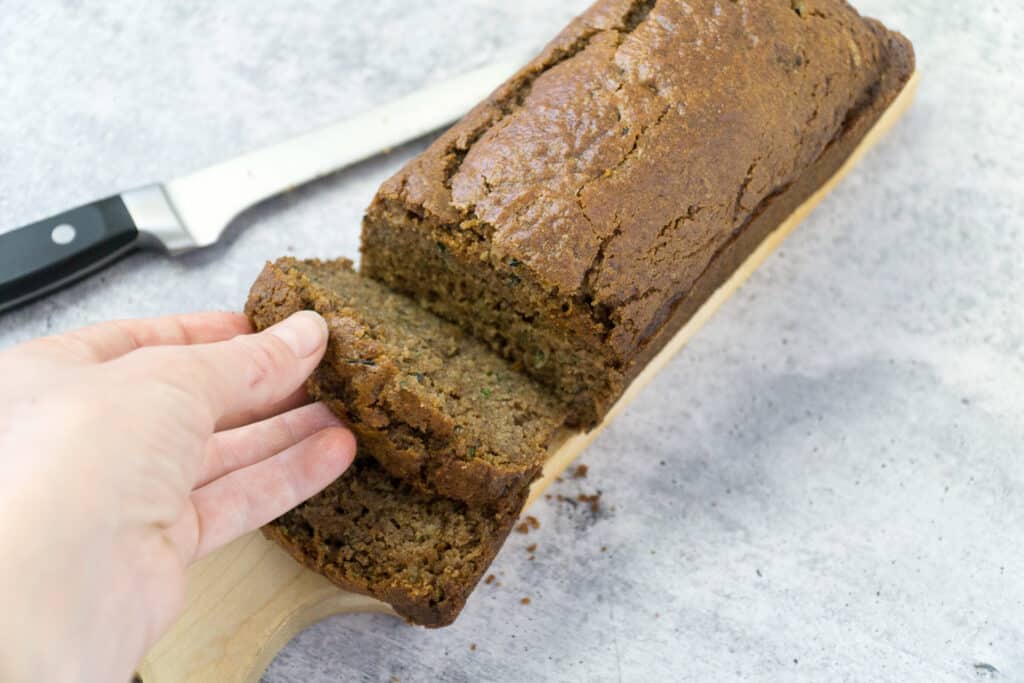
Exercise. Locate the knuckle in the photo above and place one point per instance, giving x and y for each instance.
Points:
(68, 345)
(169, 379)
(290, 426)
(265, 361)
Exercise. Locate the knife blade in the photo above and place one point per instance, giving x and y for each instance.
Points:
(193, 211)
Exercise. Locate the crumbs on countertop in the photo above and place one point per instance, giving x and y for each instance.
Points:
(530, 522)
(594, 500)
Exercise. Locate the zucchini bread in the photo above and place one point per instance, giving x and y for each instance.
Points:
(580, 215)
(431, 403)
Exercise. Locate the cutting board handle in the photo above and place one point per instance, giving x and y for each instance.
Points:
(245, 602)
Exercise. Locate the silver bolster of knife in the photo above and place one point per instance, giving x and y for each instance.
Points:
(156, 220)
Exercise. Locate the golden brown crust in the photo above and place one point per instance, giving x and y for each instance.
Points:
(775, 209)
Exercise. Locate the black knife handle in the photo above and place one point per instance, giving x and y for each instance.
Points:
(46, 255)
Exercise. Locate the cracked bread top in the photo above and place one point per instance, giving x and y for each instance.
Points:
(615, 165)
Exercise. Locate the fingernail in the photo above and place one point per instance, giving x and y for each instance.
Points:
(303, 332)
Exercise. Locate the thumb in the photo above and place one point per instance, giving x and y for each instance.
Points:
(249, 372)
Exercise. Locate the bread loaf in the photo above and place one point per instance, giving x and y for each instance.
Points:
(581, 214)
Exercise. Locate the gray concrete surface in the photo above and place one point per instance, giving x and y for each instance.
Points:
(827, 484)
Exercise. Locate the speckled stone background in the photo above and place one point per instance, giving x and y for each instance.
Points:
(827, 484)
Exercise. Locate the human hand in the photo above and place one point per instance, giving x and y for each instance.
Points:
(131, 449)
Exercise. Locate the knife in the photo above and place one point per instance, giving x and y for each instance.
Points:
(193, 211)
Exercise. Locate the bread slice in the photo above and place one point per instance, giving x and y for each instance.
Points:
(374, 534)
(433, 405)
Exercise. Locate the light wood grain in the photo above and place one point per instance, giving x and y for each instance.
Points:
(247, 600)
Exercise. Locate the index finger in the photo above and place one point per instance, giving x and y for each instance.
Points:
(247, 374)
(109, 340)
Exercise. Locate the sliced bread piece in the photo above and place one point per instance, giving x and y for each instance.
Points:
(374, 534)
(435, 406)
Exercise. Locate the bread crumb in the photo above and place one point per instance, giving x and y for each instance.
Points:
(489, 579)
(593, 500)
(525, 601)
(581, 472)
(472, 646)
(531, 548)
(530, 522)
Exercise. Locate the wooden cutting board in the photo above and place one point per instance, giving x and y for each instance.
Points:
(247, 600)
